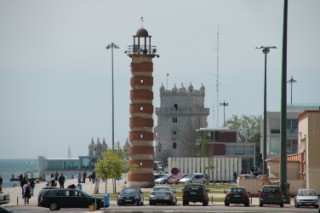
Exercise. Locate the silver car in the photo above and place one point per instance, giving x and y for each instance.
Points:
(162, 194)
(306, 197)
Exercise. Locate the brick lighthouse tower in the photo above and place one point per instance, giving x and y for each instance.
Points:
(141, 150)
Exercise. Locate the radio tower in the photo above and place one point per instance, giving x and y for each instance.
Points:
(217, 81)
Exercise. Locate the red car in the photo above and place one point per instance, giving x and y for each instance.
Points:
(175, 179)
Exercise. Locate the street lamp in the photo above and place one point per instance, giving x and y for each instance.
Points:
(224, 104)
(265, 50)
(291, 81)
(112, 46)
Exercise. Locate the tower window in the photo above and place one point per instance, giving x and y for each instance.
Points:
(141, 135)
(141, 81)
(174, 120)
(175, 106)
(174, 145)
(141, 108)
(174, 132)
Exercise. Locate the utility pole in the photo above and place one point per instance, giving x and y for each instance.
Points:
(291, 81)
(283, 128)
(265, 50)
(112, 46)
(224, 104)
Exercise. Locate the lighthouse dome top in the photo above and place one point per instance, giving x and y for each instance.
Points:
(142, 33)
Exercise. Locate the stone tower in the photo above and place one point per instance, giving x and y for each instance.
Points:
(141, 150)
(181, 112)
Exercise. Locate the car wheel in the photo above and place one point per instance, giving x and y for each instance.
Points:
(53, 206)
(226, 204)
(246, 204)
(261, 204)
(281, 205)
(151, 203)
(205, 203)
(185, 203)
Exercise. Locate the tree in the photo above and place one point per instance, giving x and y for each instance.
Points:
(110, 166)
(249, 129)
(203, 151)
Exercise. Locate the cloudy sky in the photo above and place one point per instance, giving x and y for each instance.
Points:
(55, 72)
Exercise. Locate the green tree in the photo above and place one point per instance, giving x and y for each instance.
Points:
(249, 129)
(203, 151)
(110, 166)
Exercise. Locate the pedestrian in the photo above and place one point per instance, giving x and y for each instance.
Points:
(1, 181)
(32, 185)
(52, 182)
(235, 176)
(26, 192)
(56, 176)
(23, 181)
(79, 177)
(93, 177)
(84, 176)
(62, 180)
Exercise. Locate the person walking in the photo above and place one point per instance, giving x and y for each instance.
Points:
(84, 176)
(26, 192)
(32, 185)
(62, 180)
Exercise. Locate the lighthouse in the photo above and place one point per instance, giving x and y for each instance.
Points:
(141, 150)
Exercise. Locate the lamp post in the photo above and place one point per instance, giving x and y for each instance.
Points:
(291, 81)
(112, 46)
(265, 50)
(224, 104)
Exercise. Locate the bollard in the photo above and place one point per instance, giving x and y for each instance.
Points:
(17, 201)
(211, 199)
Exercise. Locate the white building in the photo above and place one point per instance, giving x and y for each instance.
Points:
(273, 130)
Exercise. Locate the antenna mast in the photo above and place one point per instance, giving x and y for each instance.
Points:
(217, 81)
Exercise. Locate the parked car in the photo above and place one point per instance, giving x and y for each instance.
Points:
(5, 210)
(194, 178)
(306, 197)
(130, 195)
(236, 195)
(42, 191)
(4, 198)
(54, 199)
(195, 192)
(162, 194)
(157, 175)
(176, 178)
(270, 194)
(164, 179)
(319, 206)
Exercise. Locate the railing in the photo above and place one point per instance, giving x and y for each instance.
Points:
(142, 50)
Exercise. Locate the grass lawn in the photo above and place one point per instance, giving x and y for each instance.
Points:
(213, 189)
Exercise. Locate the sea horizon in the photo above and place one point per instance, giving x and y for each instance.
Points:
(15, 167)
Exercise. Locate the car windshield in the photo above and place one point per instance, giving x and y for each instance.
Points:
(271, 189)
(161, 189)
(128, 191)
(166, 176)
(237, 190)
(193, 188)
(307, 193)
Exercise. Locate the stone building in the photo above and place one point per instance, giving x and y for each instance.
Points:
(181, 112)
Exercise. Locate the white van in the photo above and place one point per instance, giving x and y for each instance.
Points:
(194, 178)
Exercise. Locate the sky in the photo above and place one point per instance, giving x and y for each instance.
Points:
(55, 70)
